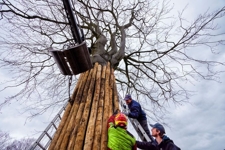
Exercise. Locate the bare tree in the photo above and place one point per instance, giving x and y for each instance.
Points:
(4, 139)
(23, 144)
(148, 49)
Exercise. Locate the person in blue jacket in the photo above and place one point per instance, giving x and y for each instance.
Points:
(161, 142)
(137, 112)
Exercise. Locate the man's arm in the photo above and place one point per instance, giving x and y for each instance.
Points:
(134, 112)
(147, 145)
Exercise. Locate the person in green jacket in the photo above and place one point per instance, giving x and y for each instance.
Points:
(118, 136)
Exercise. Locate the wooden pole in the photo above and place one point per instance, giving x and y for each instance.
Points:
(84, 123)
(99, 120)
(62, 143)
(56, 141)
(60, 127)
(80, 112)
(115, 94)
(89, 137)
(104, 137)
(85, 116)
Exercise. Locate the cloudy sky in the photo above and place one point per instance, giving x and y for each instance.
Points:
(197, 125)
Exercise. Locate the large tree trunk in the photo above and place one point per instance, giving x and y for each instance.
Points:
(84, 123)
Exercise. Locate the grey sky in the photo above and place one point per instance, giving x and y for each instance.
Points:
(200, 125)
(197, 125)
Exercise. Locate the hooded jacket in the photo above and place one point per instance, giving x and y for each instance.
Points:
(136, 111)
(119, 138)
(166, 144)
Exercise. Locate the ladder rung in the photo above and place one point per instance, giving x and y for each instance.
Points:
(48, 135)
(41, 146)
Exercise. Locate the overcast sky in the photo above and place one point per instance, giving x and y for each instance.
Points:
(198, 125)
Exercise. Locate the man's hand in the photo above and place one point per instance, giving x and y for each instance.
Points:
(125, 113)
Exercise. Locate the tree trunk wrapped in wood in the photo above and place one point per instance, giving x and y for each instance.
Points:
(84, 123)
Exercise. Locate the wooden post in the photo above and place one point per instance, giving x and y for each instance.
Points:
(104, 137)
(98, 124)
(55, 144)
(62, 143)
(115, 94)
(80, 112)
(85, 116)
(84, 123)
(60, 127)
(111, 87)
(89, 138)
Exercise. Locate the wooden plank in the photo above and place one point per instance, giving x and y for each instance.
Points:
(76, 104)
(111, 87)
(98, 124)
(115, 94)
(60, 127)
(89, 137)
(79, 112)
(104, 135)
(55, 144)
(85, 116)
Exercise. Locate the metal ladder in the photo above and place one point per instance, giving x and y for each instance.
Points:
(44, 140)
(138, 128)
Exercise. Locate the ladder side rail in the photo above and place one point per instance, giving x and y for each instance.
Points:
(45, 132)
(41, 146)
(142, 130)
(136, 129)
(47, 145)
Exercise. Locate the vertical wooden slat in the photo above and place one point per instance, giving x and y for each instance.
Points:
(80, 112)
(111, 92)
(115, 94)
(89, 137)
(85, 116)
(98, 124)
(55, 144)
(84, 126)
(60, 127)
(104, 137)
(61, 143)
